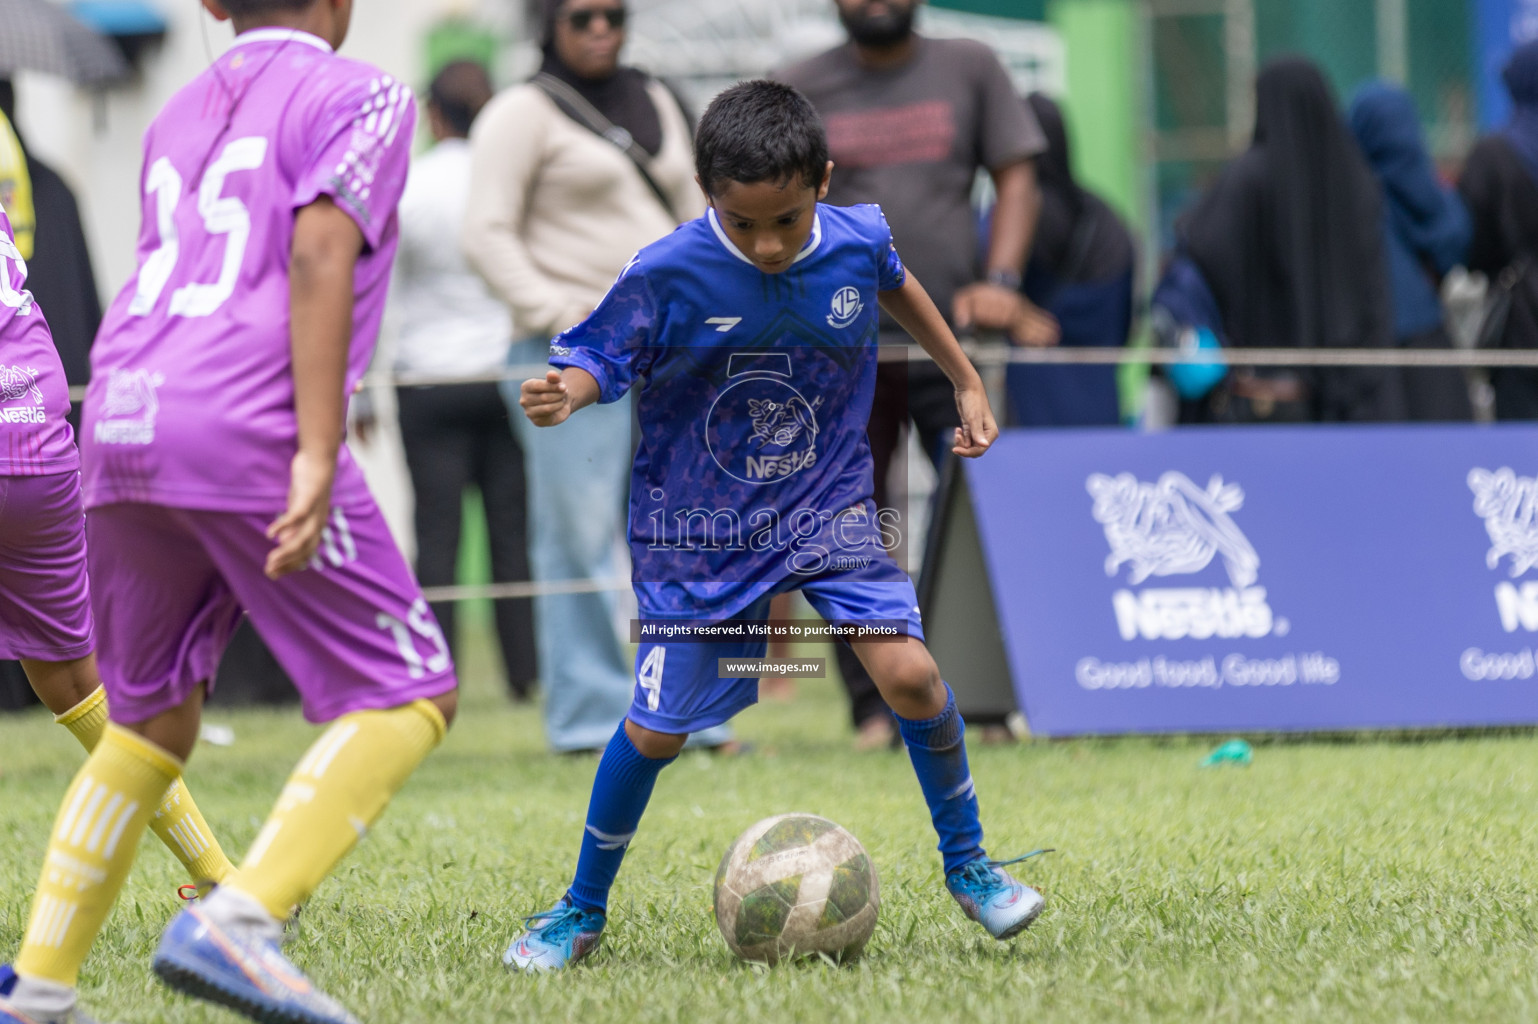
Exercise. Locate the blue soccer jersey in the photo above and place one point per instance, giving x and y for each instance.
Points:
(753, 468)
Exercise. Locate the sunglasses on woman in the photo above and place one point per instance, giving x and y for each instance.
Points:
(581, 21)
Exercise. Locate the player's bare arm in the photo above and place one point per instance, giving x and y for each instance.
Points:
(916, 313)
(991, 305)
(551, 399)
(327, 243)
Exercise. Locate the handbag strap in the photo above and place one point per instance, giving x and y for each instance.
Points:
(575, 106)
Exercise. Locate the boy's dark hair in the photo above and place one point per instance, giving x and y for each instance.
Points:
(458, 92)
(247, 8)
(760, 131)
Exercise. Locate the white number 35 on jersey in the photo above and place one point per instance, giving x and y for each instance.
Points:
(222, 215)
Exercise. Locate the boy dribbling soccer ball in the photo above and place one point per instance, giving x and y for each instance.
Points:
(752, 334)
(217, 486)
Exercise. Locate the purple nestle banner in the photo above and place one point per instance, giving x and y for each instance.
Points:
(1265, 578)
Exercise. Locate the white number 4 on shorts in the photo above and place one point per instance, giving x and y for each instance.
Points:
(650, 676)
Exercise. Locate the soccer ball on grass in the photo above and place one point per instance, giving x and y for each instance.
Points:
(796, 885)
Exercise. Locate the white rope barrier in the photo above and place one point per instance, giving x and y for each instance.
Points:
(508, 591)
(983, 354)
(999, 354)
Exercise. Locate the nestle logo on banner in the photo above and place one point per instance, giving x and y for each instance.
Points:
(1175, 528)
(1509, 506)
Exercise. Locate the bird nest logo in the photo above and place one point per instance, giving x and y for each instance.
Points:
(1175, 528)
(1509, 506)
(16, 382)
(129, 411)
(760, 429)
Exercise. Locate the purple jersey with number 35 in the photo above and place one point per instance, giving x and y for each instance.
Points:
(191, 402)
(34, 399)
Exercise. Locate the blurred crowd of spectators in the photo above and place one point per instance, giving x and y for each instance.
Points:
(1335, 232)
(1329, 231)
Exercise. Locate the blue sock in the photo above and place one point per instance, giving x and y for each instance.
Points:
(939, 754)
(620, 793)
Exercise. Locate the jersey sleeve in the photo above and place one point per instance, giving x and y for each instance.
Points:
(614, 342)
(890, 272)
(362, 152)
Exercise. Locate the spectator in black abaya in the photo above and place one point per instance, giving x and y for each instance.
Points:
(1500, 185)
(59, 273)
(1426, 233)
(1289, 239)
(1080, 272)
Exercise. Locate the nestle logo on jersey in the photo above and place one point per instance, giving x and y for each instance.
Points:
(769, 467)
(18, 382)
(25, 414)
(760, 429)
(130, 408)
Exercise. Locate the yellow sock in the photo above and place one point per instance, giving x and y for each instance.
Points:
(90, 851)
(177, 820)
(337, 790)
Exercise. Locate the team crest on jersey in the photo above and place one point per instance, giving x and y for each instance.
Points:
(128, 414)
(760, 429)
(847, 307)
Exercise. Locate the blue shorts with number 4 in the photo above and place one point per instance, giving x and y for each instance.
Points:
(678, 689)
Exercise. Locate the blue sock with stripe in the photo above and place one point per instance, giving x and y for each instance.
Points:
(620, 794)
(938, 750)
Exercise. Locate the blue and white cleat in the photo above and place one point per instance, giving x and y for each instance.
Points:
(243, 970)
(10, 1014)
(557, 938)
(989, 896)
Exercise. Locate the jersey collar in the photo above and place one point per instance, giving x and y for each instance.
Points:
(281, 35)
(811, 246)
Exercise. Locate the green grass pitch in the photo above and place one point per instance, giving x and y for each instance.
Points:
(1373, 880)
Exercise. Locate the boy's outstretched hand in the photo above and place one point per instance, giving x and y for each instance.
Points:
(552, 399)
(978, 430)
(545, 401)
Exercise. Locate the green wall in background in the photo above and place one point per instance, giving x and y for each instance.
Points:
(1101, 106)
(1026, 10)
(1340, 35)
(455, 39)
(1102, 111)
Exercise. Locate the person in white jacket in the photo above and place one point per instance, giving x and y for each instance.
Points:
(556, 210)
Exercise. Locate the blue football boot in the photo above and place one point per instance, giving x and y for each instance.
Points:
(243, 970)
(10, 1014)
(989, 896)
(557, 938)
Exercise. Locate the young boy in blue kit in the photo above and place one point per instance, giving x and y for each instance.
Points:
(752, 335)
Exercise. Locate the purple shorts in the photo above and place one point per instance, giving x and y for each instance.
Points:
(169, 586)
(45, 601)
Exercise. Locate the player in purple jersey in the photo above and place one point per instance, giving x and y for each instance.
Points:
(45, 610)
(217, 486)
(754, 471)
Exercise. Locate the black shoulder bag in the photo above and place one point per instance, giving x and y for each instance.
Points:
(572, 104)
(1492, 327)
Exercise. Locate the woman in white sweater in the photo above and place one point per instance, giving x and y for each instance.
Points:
(572, 173)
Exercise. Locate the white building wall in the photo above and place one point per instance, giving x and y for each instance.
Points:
(94, 142)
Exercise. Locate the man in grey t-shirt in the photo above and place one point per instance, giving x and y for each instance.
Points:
(910, 121)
